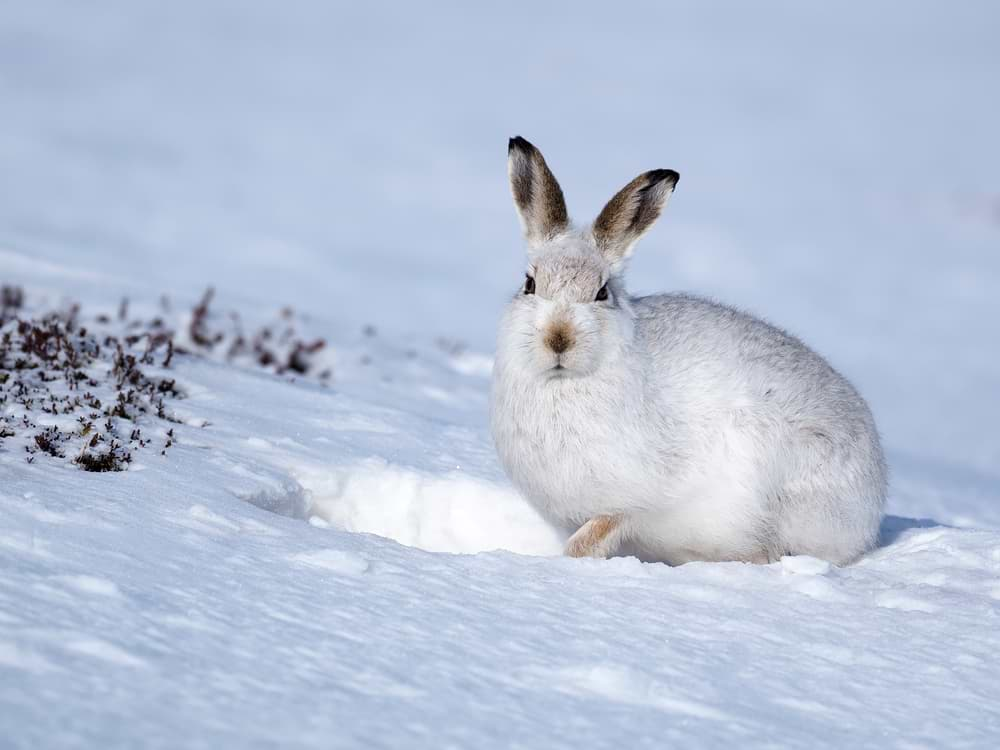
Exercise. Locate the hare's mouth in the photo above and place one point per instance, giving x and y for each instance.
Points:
(559, 371)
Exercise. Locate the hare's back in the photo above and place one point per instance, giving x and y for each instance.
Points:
(701, 344)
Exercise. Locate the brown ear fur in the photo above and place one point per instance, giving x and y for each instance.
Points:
(537, 194)
(632, 211)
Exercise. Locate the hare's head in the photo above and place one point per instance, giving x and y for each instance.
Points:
(572, 311)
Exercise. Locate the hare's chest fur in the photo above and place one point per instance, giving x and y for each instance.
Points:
(579, 447)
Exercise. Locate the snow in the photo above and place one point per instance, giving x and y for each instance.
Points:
(344, 565)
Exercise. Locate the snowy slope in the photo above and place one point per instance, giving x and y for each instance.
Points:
(171, 605)
(838, 176)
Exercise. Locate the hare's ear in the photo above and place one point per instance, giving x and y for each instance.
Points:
(631, 212)
(537, 195)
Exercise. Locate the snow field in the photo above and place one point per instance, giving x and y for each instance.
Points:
(194, 586)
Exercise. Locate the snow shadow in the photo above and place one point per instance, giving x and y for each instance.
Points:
(894, 526)
(290, 499)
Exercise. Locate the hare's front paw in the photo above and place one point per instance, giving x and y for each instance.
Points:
(596, 538)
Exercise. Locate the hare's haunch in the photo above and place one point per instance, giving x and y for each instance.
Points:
(669, 426)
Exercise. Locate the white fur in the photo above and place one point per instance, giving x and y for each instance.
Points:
(713, 435)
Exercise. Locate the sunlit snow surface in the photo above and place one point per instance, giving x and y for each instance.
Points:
(838, 176)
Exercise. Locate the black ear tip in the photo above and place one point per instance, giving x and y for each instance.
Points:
(663, 175)
(517, 143)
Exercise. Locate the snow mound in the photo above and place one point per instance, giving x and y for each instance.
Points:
(448, 513)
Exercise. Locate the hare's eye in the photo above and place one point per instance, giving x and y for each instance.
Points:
(602, 293)
(529, 284)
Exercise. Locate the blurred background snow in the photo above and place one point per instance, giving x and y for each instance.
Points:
(838, 170)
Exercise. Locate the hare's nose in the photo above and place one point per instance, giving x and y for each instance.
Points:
(559, 337)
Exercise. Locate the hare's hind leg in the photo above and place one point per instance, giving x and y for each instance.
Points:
(597, 538)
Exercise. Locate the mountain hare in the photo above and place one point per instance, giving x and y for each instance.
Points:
(672, 426)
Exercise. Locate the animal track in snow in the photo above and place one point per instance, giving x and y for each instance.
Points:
(631, 687)
(804, 565)
(892, 600)
(338, 561)
(91, 585)
(108, 652)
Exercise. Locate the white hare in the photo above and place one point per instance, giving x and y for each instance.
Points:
(669, 426)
